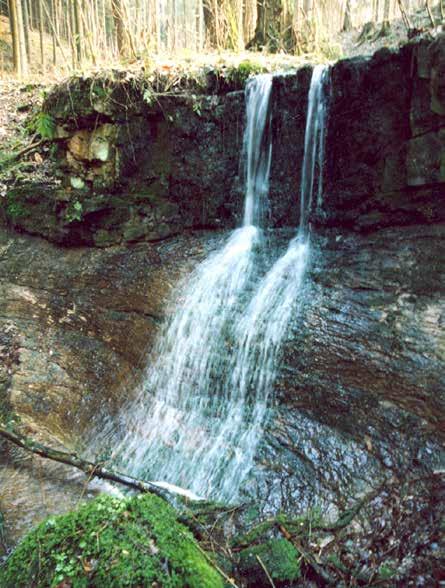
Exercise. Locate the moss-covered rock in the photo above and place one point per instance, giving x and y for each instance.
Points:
(111, 542)
(272, 528)
(278, 556)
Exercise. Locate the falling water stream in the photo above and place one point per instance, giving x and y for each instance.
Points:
(198, 418)
(261, 331)
(176, 427)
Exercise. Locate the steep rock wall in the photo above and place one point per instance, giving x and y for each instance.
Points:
(386, 139)
(131, 168)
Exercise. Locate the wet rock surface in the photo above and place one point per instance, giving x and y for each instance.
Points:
(77, 322)
(361, 387)
(359, 398)
(385, 148)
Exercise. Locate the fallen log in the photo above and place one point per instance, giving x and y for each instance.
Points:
(91, 469)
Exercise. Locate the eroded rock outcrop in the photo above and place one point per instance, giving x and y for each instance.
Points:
(386, 139)
(131, 168)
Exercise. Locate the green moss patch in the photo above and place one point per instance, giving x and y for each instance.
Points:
(111, 542)
(271, 528)
(278, 556)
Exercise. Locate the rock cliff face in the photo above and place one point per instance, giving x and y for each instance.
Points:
(386, 141)
(133, 167)
(128, 171)
(360, 395)
(361, 390)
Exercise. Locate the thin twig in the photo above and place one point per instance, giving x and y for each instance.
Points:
(308, 557)
(228, 579)
(266, 571)
(77, 462)
(29, 148)
(405, 16)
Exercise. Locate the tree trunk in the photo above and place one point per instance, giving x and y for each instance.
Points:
(77, 30)
(71, 35)
(384, 31)
(240, 22)
(41, 34)
(119, 26)
(430, 13)
(30, 10)
(18, 37)
(347, 23)
(15, 36)
(260, 31)
(405, 16)
(54, 31)
(210, 24)
(26, 27)
(386, 11)
(267, 31)
(376, 10)
(22, 38)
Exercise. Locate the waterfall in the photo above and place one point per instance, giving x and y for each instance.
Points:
(199, 416)
(314, 140)
(184, 428)
(257, 149)
(261, 330)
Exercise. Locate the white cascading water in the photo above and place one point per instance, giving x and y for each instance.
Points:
(200, 415)
(184, 428)
(261, 330)
(257, 150)
(314, 140)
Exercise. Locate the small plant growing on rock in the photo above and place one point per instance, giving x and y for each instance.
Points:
(240, 73)
(74, 212)
(197, 105)
(44, 125)
(14, 207)
(149, 96)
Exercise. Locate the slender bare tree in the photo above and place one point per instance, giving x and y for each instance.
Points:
(20, 57)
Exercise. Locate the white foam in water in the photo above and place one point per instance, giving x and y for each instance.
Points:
(259, 334)
(314, 140)
(257, 149)
(172, 431)
(178, 490)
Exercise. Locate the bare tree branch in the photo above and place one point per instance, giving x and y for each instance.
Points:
(90, 468)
